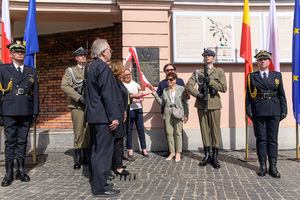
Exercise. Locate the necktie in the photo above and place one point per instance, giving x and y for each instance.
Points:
(265, 78)
(19, 70)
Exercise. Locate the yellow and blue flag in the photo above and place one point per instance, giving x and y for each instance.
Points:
(296, 62)
(30, 39)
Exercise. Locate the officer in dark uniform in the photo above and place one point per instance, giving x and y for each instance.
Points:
(266, 107)
(19, 108)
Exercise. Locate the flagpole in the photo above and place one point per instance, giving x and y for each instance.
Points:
(297, 159)
(34, 127)
(247, 157)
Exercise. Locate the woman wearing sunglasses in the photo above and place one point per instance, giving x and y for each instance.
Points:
(175, 112)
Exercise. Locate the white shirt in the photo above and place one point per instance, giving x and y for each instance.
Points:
(133, 88)
(16, 66)
(81, 67)
(172, 96)
(262, 73)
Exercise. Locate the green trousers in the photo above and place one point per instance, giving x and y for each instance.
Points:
(210, 126)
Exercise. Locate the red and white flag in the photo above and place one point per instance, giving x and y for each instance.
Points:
(133, 54)
(6, 33)
(272, 38)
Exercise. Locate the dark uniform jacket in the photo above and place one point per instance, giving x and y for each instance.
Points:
(102, 104)
(217, 82)
(270, 98)
(23, 98)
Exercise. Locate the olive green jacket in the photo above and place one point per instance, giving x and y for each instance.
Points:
(68, 86)
(217, 82)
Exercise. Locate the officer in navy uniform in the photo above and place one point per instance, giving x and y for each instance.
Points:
(19, 108)
(266, 107)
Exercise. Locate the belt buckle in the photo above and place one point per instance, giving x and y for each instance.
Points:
(265, 95)
(20, 91)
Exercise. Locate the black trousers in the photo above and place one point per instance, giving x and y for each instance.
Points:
(16, 132)
(101, 148)
(266, 133)
(118, 153)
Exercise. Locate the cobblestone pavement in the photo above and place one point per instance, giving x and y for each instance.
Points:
(154, 178)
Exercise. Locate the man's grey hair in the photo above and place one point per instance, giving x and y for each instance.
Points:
(98, 46)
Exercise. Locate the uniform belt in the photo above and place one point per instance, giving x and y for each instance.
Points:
(267, 95)
(22, 91)
(172, 105)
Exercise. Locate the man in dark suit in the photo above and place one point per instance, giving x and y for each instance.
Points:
(18, 109)
(102, 112)
(266, 107)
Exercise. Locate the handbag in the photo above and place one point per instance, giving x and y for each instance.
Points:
(177, 113)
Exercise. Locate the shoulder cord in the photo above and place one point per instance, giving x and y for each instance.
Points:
(9, 86)
(196, 75)
(73, 80)
(254, 93)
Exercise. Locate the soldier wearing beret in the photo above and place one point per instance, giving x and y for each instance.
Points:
(209, 120)
(72, 85)
(19, 108)
(266, 107)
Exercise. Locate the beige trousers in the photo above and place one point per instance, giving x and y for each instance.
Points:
(174, 132)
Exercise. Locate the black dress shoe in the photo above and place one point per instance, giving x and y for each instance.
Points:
(110, 193)
(124, 172)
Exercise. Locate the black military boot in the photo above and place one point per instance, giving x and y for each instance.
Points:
(9, 176)
(263, 166)
(272, 168)
(20, 171)
(78, 159)
(86, 157)
(206, 158)
(214, 160)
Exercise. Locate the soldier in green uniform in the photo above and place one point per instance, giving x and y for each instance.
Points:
(209, 120)
(72, 85)
(266, 107)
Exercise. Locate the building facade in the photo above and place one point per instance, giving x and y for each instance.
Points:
(63, 26)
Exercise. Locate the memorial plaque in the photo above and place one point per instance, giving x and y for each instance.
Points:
(149, 64)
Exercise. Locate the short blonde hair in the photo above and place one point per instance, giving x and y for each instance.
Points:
(117, 69)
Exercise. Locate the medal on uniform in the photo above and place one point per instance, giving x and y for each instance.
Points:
(31, 80)
(276, 82)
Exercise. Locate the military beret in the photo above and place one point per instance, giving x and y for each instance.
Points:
(17, 45)
(79, 51)
(263, 54)
(208, 52)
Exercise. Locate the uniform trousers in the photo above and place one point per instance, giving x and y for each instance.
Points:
(80, 128)
(210, 126)
(101, 148)
(266, 133)
(174, 132)
(16, 132)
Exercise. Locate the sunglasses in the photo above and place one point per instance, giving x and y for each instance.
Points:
(169, 79)
(167, 70)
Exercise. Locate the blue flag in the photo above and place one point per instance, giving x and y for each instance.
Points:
(296, 62)
(30, 39)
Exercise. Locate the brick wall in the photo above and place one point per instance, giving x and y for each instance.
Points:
(54, 57)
